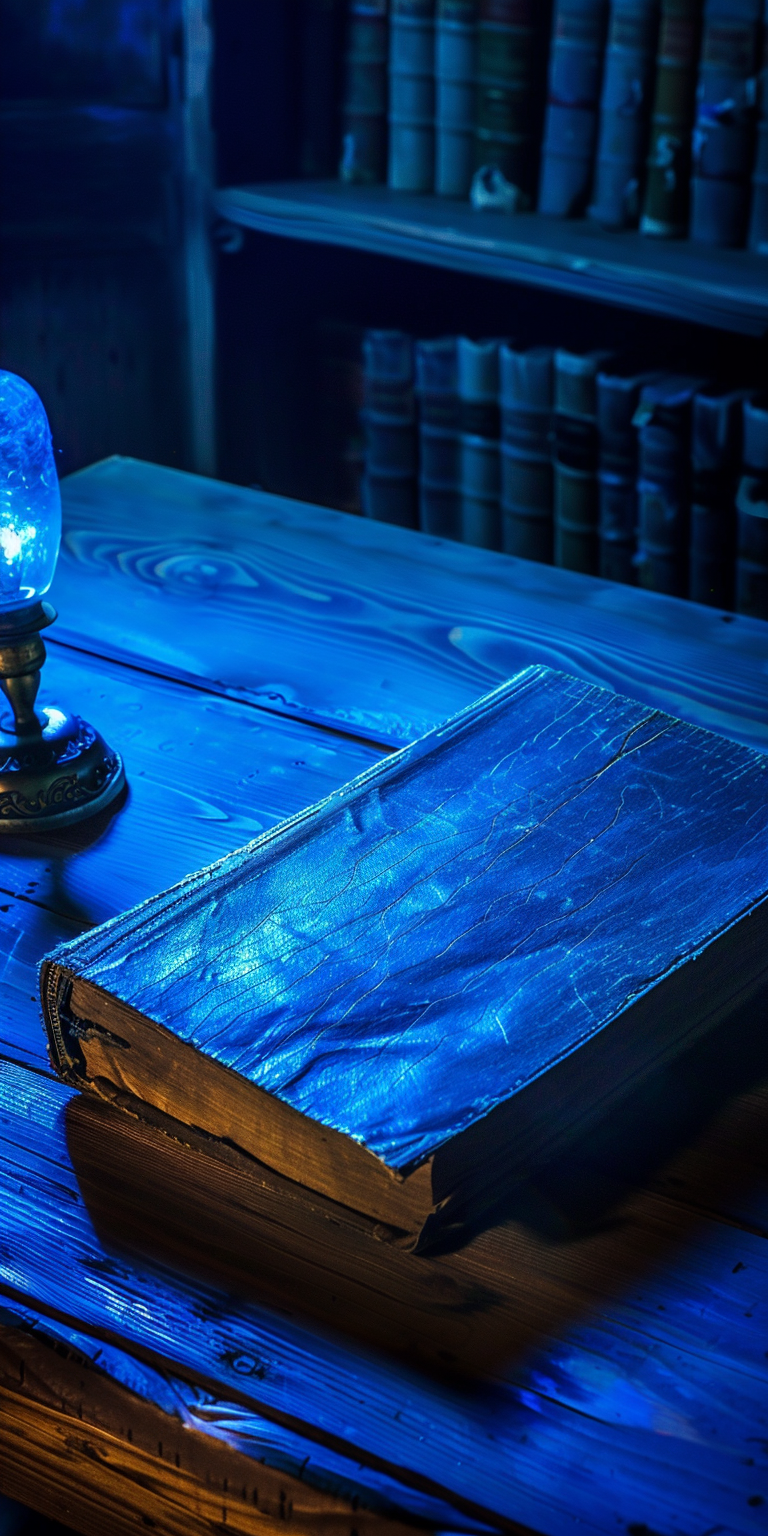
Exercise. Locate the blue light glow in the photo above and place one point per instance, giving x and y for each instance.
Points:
(30, 503)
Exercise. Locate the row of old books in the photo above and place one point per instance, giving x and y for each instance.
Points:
(575, 459)
(632, 111)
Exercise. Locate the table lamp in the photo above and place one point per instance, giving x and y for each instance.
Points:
(54, 768)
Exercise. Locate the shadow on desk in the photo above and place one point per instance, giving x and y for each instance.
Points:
(690, 1144)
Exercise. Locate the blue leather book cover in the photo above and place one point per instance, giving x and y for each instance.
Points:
(758, 218)
(412, 95)
(716, 442)
(752, 509)
(437, 389)
(663, 419)
(389, 493)
(405, 994)
(625, 109)
(364, 97)
(527, 486)
(724, 132)
(573, 95)
(455, 75)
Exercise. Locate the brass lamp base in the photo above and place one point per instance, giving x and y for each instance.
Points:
(55, 769)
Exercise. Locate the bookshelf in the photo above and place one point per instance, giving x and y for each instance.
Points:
(723, 289)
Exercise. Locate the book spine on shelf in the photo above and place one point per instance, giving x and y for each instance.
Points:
(618, 397)
(716, 434)
(504, 106)
(665, 206)
(439, 467)
(624, 112)
(723, 138)
(389, 482)
(455, 48)
(758, 222)
(478, 379)
(412, 95)
(664, 484)
(576, 461)
(527, 496)
(319, 70)
(573, 94)
(364, 105)
(752, 508)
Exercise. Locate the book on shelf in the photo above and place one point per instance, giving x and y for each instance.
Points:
(663, 418)
(478, 382)
(455, 64)
(716, 451)
(758, 220)
(752, 508)
(412, 95)
(723, 139)
(625, 107)
(406, 996)
(576, 518)
(573, 95)
(437, 387)
(526, 397)
(321, 46)
(665, 205)
(618, 396)
(389, 415)
(364, 99)
(509, 36)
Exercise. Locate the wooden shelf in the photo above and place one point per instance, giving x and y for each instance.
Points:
(725, 289)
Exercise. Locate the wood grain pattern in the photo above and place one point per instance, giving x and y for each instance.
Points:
(369, 629)
(625, 1369)
(725, 288)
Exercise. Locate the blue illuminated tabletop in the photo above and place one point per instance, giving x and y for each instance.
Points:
(249, 654)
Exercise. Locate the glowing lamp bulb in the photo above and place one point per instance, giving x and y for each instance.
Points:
(55, 768)
(30, 502)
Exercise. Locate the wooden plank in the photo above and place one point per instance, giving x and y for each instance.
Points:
(123, 1441)
(651, 1408)
(688, 282)
(205, 775)
(363, 627)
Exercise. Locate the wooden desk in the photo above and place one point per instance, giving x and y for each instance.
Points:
(246, 654)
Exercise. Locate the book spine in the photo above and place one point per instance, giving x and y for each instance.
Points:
(439, 461)
(624, 112)
(570, 129)
(758, 223)
(478, 372)
(617, 400)
(716, 457)
(504, 124)
(576, 462)
(320, 54)
(665, 206)
(752, 508)
(663, 494)
(389, 482)
(527, 492)
(723, 137)
(455, 46)
(364, 105)
(412, 95)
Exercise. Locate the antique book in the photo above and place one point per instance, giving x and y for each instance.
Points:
(665, 207)
(625, 110)
(527, 495)
(752, 508)
(663, 419)
(364, 99)
(618, 395)
(573, 95)
(577, 509)
(723, 139)
(437, 387)
(758, 219)
(478, 382)
(716, 439)
(505, 111)
(455, 45)
(404, 996)
(389, 416)
(412, 95)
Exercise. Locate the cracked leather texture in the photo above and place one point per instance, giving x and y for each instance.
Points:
(418, 947)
